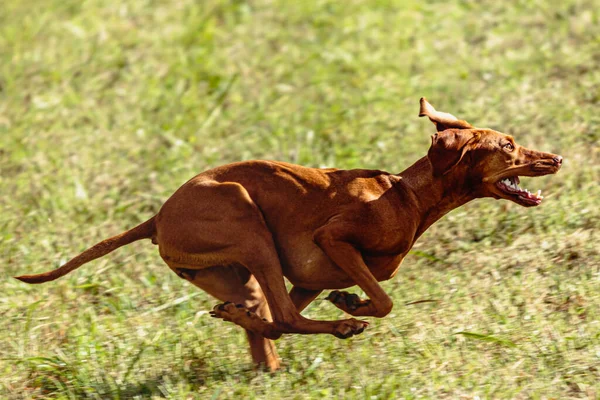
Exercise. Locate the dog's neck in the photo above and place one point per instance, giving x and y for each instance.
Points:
(435, 196)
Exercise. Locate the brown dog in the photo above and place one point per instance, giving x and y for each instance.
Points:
(235, 231)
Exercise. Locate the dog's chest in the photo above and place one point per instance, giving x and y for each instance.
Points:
(386, 255)
(383, 267)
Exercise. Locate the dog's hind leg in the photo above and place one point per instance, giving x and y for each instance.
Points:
(221, 225)
(263, 263)
(235, 284)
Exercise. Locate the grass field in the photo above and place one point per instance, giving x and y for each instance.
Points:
(107, 107)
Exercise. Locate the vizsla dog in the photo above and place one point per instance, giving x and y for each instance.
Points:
(236, 231)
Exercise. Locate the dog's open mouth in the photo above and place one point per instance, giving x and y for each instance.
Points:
(510, 187)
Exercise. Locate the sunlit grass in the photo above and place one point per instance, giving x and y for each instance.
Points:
(107, 107)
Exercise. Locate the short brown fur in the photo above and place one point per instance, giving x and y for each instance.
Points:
(237, 230)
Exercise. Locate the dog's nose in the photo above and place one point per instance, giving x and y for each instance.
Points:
(557, 160)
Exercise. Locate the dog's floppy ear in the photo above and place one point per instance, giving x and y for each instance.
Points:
(441, 120)
(449, 148)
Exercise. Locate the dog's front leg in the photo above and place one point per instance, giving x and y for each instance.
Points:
(333, 239)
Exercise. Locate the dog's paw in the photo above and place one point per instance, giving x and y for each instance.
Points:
(240, 315)
(349, 327)
(224, 311)
(348, 302)
(233, 312)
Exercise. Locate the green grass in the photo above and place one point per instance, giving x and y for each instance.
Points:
(107, 107)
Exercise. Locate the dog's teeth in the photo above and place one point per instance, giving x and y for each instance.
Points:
(539, 193)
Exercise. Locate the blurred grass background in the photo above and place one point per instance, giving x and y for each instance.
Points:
(107, 107)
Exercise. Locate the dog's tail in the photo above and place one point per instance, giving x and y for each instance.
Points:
(143, 231)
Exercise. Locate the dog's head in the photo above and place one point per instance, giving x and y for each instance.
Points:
(489, 162)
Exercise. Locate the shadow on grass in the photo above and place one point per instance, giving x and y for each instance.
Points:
(51, 377)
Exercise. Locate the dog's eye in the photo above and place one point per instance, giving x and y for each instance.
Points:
(508, 147)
